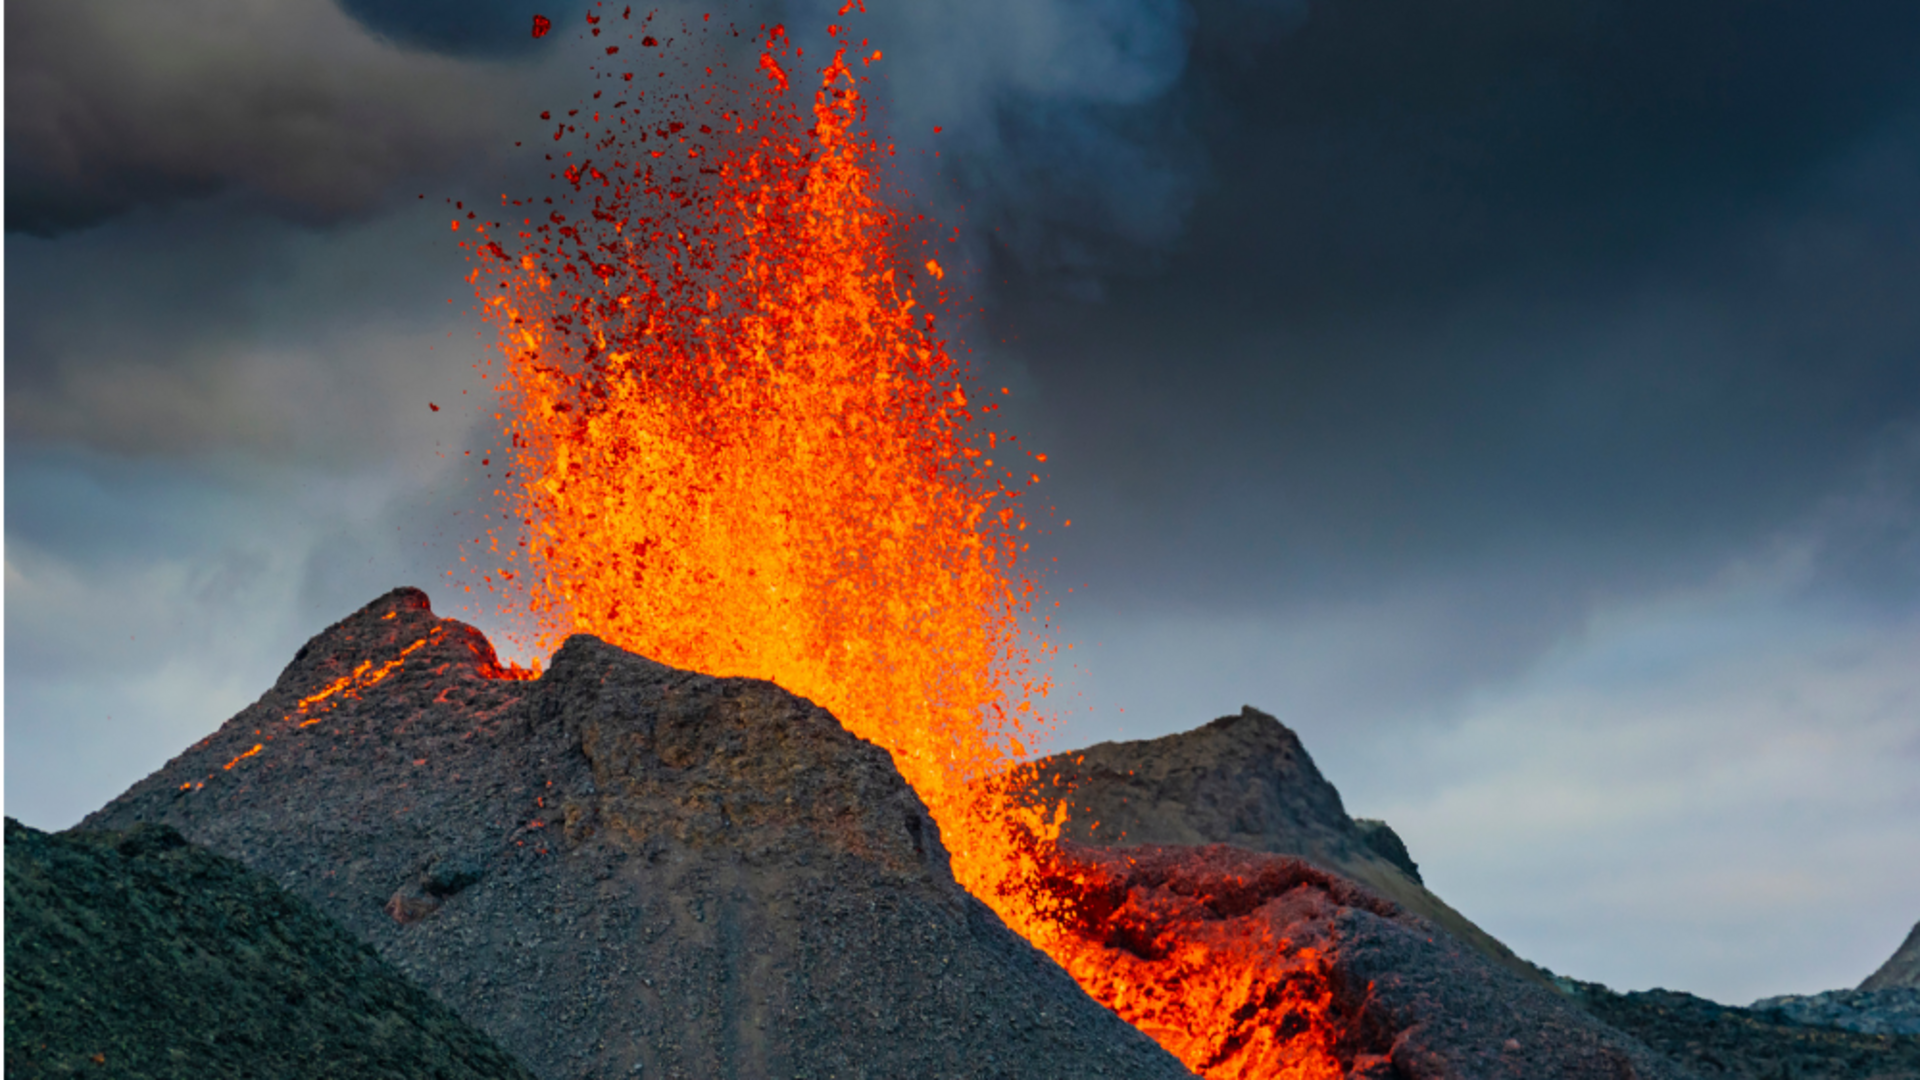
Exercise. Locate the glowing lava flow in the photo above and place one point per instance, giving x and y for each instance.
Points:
(738, 446)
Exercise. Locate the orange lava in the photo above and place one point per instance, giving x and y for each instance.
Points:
(350, 685)
(737, 444)
(1198, 954)
(257, 747)
(1224, 1006)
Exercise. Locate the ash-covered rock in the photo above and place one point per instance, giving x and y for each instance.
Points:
(622, 869)
(136, 954)
(1402, 999)
(1892, 1011)
(1243, 780)
(1715, 1040)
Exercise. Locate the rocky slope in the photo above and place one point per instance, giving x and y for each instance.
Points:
(1719, 1041)
(1894, 1010)
(1902, 969)
(1247, 781)
(135, 954)
(624, 869)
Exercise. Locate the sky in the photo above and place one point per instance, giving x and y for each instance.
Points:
(1520, 401)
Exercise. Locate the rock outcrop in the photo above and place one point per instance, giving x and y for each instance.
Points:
(623, 869)
(136, 954)
(1246, 781)
(1380, 837)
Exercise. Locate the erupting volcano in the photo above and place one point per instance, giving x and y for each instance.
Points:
(726, 394)
(771, 802)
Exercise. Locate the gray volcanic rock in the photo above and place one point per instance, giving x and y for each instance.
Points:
(1901, 969)
(1246, 781)
(136, 954)
(1243, 780)
(623, 869)
(1404, 1001)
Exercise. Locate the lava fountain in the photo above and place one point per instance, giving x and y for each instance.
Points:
(738, 444)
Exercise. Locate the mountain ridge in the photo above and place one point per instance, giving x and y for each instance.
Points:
(1245, 780)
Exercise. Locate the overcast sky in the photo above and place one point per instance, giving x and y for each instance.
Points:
(1520, 400)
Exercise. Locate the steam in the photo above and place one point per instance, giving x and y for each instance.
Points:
(1066, 135)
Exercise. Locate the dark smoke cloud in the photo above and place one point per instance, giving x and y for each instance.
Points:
(176, 333)
(485, 28)
(1615, 283)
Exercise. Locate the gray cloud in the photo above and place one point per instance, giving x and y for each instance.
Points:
(191, 329)
(1325, 403)
(112, 106)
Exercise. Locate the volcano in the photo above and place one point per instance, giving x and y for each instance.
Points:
(621, 868)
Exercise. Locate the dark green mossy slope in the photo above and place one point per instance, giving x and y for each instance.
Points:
(135, 954)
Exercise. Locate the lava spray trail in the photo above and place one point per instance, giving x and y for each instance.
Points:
(739, 445)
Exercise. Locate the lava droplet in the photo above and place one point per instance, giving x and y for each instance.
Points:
(541, 24)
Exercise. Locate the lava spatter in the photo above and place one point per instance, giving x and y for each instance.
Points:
(739, 445)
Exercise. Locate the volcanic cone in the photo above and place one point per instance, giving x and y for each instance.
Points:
(623, 869)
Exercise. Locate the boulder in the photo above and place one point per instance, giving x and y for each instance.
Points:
(1380, 837)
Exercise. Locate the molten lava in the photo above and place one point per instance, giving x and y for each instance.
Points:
(1196, 947)
(738, 445)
